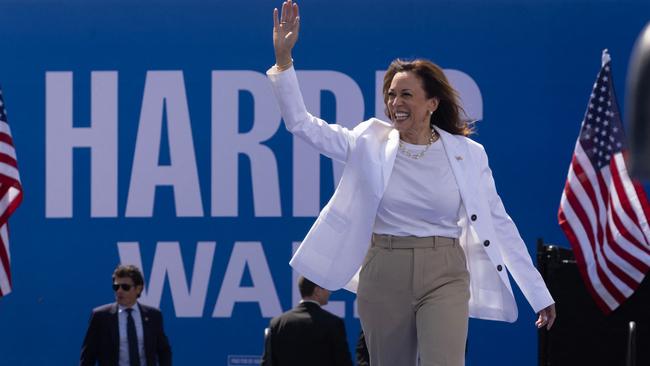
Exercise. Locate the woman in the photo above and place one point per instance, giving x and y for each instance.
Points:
(421, 195)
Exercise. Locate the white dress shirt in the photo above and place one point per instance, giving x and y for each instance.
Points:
(311, 301)
(122, 315)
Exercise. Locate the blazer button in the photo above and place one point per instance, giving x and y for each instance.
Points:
(499, 268)
(486, 243)
(473, 217)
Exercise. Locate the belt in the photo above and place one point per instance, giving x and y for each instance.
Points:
(411, 242)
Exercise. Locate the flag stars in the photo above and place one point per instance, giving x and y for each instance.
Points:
(601, 132)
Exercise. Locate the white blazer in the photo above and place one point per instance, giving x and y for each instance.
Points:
(332, 252)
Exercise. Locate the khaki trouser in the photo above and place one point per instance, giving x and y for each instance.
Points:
(413, 301)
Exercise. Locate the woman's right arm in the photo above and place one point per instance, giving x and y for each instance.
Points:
(331, 140)
(285, 34)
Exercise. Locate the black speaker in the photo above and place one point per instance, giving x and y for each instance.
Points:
(637, 106)
(583, 334)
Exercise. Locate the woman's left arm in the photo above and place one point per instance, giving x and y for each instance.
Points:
(515, 253)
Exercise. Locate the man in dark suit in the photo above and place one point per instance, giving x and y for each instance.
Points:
(307, 334)
(126, 333)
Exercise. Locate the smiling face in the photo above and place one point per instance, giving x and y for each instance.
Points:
(408, 105)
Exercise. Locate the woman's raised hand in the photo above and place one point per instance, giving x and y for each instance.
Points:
(285, 33)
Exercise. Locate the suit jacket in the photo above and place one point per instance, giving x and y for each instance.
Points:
(102, 342)
(307, 335)
(332, 252)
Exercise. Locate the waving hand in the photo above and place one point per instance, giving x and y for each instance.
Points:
(285, 33)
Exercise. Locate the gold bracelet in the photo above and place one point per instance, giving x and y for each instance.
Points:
(285, 66)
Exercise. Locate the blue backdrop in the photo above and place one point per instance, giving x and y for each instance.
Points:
(146, 133)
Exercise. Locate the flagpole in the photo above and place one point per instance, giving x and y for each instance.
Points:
(605, 58)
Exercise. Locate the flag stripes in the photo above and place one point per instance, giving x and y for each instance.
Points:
(602, 212)
(11, 195)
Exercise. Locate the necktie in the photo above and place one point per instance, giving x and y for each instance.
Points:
(132, 337)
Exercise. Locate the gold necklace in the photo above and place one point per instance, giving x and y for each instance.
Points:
(417, 155)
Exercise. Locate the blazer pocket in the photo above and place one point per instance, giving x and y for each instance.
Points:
(335, 220)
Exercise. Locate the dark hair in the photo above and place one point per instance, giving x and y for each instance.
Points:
(131, 272)
(435, 84)
(305, 286)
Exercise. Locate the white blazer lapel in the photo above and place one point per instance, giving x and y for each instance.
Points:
(456, 154)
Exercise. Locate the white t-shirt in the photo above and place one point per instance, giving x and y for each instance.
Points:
(422, 197)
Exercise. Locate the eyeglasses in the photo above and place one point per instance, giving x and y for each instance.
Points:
(124, 286)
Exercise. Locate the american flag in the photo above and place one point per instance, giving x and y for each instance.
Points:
(11, 194)
(602, 212)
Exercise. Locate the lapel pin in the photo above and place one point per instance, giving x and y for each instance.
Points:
(459, 157)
